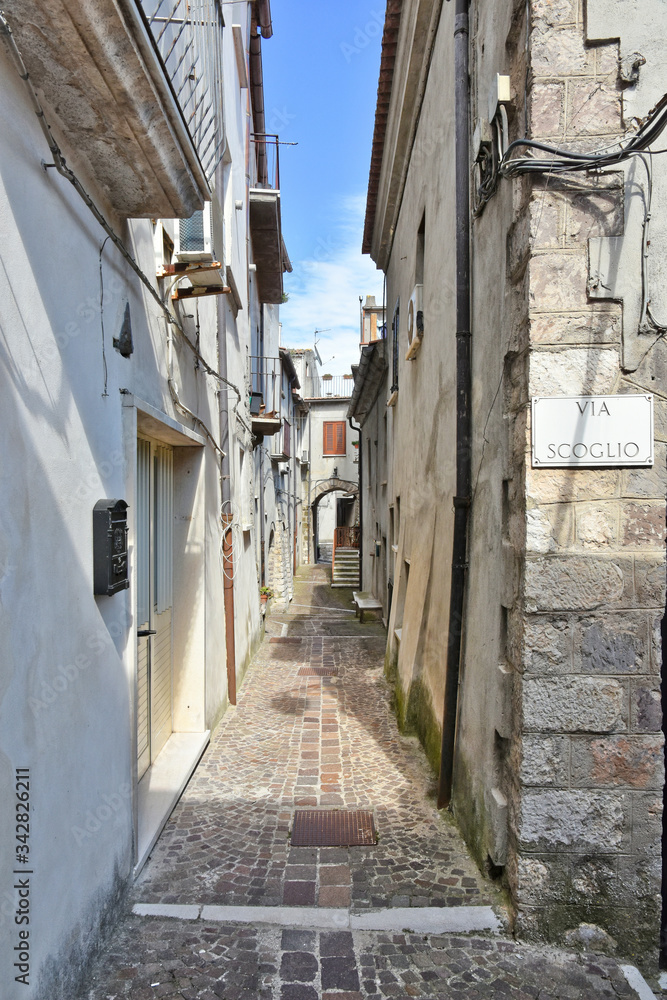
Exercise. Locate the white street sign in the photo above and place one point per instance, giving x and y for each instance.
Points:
(592, 430)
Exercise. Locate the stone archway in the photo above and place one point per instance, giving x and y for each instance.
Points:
(319, 490)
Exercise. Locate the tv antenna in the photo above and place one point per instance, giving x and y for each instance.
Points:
(315, 350)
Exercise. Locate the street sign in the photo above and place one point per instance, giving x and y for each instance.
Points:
(592, 430)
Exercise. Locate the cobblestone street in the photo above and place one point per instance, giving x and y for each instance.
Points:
(327, 922)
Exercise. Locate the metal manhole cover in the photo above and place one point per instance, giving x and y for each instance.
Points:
(317, 672)
(333, 828)
(285, 639)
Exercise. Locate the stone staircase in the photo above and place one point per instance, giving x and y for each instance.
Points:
(346, 568)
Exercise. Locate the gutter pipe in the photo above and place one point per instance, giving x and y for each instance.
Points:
(227, 516)
(463, 414)
(264, 18)
(258, 116)
(361, 506)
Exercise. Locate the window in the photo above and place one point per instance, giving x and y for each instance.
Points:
(419, 263)
(334, 437)
(394, 366)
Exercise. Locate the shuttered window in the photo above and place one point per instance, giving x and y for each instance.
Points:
(143, 558)
(164, 516)
(334, 437)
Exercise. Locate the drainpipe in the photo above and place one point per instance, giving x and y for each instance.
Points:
(361, 506)
(463, 415)
(264, 18)
(227, 518)
(258, 115)
(262, 554)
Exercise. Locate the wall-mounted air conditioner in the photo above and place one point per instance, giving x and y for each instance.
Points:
(193, 237)
(415, 322)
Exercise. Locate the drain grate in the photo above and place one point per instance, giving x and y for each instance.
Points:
(285, 639)
(333, 828)
(318, 672)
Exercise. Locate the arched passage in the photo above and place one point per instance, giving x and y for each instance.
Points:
(345, 511)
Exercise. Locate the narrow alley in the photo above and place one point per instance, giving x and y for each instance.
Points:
(227, 908)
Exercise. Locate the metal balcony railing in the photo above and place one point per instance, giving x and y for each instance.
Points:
(188, 36)
(266, 376)
(267, 151)
(321, 387)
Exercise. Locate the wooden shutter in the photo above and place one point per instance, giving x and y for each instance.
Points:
(164, 544)
(143, 546)
(334, 437)
(340, 438)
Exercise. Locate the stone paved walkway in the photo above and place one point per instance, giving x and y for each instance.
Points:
(308, 741)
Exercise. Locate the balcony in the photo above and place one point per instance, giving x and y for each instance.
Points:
(188, 36)
(105, 88)
(328, 387)
(268, 249)
(282, 449)
(267, 406)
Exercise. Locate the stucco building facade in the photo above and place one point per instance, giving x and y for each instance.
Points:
(141, 265)
(547, 281)
(330, 474)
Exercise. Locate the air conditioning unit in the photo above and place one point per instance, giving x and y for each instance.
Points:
(194, 237)
(415, 322)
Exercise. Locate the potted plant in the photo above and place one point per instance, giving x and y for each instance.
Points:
(264, 594)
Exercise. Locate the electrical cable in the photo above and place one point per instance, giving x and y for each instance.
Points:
(560, 160)
(104, 353)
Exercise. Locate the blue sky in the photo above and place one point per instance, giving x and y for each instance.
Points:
(320, 79)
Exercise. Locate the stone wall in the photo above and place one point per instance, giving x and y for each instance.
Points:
(280, 577)
(585, 785)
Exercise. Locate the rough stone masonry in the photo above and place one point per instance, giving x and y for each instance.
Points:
(584, 633)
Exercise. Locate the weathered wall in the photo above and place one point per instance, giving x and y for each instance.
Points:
(374, 493)
(483, 781)
(586, 640)
(71, 409)
(320, 473)
(420, 439)
(69, 658)
(559, 774)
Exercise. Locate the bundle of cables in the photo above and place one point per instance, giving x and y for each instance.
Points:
(560, 160)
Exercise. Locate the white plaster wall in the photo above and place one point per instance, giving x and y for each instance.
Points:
(326, 518)
(321, 466)
(68, 666)
(421, 424)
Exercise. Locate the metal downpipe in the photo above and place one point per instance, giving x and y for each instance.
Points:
(463, 414)
(227, 518)
(361, 507)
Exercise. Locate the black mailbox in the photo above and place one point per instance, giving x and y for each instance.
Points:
(110, 565)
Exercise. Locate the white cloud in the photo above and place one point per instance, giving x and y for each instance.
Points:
(324, 291)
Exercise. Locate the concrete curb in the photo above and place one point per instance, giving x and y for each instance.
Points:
(416, 919)
(637, 982)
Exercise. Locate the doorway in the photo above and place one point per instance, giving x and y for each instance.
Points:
(154, 539)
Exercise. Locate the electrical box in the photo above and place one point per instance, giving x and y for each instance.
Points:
(110, 562)
(256, 401)
(500, 93)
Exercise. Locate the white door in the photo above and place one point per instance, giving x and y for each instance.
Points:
(154, 599)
